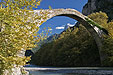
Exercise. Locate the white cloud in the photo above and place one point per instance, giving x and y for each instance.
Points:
(71, 25)
(66, 26)
(59, 27)
(50, 29)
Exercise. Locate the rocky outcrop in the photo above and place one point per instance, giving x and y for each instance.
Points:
(99, 5)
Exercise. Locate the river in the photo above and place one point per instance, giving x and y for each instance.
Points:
(37, 70)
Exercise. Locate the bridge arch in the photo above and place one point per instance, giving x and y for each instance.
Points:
(74, 14)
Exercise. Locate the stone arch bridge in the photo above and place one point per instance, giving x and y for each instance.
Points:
(95, 30)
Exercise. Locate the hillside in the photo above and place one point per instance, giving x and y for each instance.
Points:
(70, 49)
(76, 47)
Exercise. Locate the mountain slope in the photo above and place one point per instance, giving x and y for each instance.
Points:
(72, 48)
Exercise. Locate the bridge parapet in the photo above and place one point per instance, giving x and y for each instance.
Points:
(66, 12)
(56, 12)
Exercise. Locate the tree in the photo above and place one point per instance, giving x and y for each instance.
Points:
(18, 30)
(102, 19)
(72, 48)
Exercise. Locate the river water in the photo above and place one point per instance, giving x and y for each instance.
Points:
(36, 70)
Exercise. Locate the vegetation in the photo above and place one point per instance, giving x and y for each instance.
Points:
(17, 31)
(77, 47)
(72, 48)
(97, 25)
(102, 19)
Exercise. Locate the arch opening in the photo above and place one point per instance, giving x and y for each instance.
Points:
(50, 56)
(74, 14)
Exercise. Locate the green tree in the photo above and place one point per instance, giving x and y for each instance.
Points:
(77, 47)
(73, 48)
(102, 19)
(18, 30)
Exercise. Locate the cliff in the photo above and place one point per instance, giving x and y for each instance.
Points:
(99, 5)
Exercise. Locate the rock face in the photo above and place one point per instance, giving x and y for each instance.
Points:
(99, 5)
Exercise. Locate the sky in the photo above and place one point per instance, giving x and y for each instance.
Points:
(57, 24)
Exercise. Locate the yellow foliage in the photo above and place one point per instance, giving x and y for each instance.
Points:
(102, 19)
(16, 32)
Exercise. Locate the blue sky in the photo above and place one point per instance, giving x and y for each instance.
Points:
(57, 23)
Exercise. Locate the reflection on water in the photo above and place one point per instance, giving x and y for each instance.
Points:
(36, 70)
(42, 73)
(51, 73)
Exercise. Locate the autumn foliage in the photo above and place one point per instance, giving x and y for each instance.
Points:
(18, 30)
